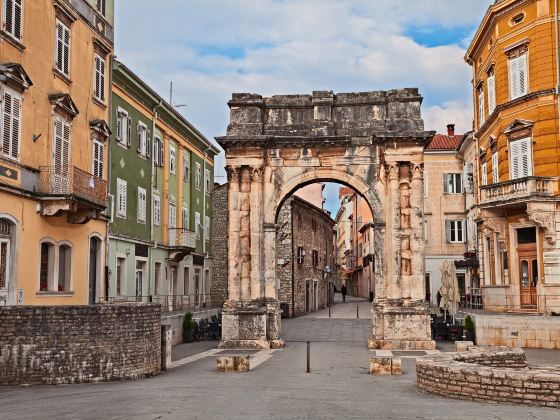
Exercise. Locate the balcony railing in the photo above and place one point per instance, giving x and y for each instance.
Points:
(182, 238)
(71, 181)
(169, 303)
(517, 190)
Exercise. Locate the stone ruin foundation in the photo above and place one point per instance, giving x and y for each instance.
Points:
(495, 375)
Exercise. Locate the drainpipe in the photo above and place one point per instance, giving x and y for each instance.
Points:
(152, 184)
(110, 122)
(557, 66)
(204, 220)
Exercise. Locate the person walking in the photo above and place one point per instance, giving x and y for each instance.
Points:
(344, 291)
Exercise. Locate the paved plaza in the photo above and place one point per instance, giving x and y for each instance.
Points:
(338, 387)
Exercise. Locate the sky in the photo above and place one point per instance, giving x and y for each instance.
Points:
(212, 48)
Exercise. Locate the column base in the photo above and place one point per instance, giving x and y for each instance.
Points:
(401, 324)
(251, 325)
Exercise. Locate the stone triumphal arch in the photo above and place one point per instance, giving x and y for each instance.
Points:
(372, 141)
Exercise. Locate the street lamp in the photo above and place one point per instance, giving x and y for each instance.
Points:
(327, 270)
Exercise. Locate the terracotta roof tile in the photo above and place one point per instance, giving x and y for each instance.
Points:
(445, 142)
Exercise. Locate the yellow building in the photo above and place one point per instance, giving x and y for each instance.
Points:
(513, 56)
(54, 85)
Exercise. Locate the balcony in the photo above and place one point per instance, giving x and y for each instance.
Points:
(517, 191)
(69, 189)
(182, 238)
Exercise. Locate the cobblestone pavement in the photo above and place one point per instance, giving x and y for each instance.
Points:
(338, 387)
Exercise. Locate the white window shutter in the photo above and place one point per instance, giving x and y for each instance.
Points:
(515, 153)
(447, 231)
(148, 143)
(495, 168)
(525, 157)
(139, 137)
(491, 94)
(481, 115)
(119, 126)
(445, 183)
(11, 125)
(523, 75)
(484, 174)
(514, 78)
(464, 232)
(128, 131)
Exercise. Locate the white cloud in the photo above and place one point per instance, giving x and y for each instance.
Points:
(458, 113)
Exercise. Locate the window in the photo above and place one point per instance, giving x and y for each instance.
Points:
(315, 258)
(484, 174)
(518, 76)
(141, 205)
(157, 210)
(186, 166)
(206, 228)
(61, 152)
(517, 19)
(4, 262)
(197, 224)
(157, 277)
(143, 135)
(300, 255)
(62, 59)
(455, 231)
(452, 183)
(185, 218)
(64, 268)
(172, 216)
(198, 174)
(121, 198)
(13, 18)
(481, 106)
(123, 127)
(10, 124)
(521, 159)
(121, 276)
(495, 171)
(491, 93)
(46, 271)
(101, 7)
(207, 186)
(158, 151)
(99, 78)
(98, 153)
(172, 161)
(186, 281)
(425, 185)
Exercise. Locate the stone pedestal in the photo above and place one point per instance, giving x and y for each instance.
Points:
(401, 324)
(251, 325)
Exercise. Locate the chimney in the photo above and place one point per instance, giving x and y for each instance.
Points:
(450, 129)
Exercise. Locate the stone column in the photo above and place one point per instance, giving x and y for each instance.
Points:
(234, 279)
(417, 286)
(393, 240)
(256, 220)
(245, 234)
(405, 232)
(269, 239)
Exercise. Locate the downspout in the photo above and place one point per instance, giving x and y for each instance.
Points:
(557, 69)
(152, 185)
(204, 222)
(109, 174)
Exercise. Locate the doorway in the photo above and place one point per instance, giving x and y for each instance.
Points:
(528, 275)
(94, 268)
(140, 269)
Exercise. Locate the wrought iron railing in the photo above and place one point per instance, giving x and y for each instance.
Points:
(72, 181)
(182, 238)
(521, 188)
(168, 303)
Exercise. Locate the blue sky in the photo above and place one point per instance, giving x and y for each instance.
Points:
(212, 48)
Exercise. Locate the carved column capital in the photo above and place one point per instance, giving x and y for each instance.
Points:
(545, 220)
(417, 171)
(392, 170)
(256, 174)
(232, 173)
(497, 225)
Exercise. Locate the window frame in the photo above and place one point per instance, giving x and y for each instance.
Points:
(142, 134)
(158, 151)
(5, 18)
(495, 168)
(101, 7)
(515, 74)
(450, 180)
(207, 184)
(60, 66)
(123, 132)
(481, 110)
(457, 228)
(529, 154)
(172, 160)
(198, 175)
(197, 224)
(98, 166)
(14, 96)
(186, 166)
(207, 228)
(491, 83)
(121, 211)
(99, 94)
(156, 210)
(484, 174)
(141, 210)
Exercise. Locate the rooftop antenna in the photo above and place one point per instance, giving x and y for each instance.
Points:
(171, 98)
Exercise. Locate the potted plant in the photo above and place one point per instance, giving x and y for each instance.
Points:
(188, 328)
(469, 328)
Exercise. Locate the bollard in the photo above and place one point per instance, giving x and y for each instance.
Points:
(329, 311)
(357, 311)
(308, 357)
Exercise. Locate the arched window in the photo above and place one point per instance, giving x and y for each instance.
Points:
(5, 255)
(47, 266)
(64, 268)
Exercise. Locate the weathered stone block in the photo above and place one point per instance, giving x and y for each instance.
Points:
(461, 346)
(396, 366)
(380, 365)
(233, 363)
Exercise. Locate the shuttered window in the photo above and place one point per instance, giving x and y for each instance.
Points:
(495, 172)
(455, 231)
(491, 94)
(157, 210)
(172, 161)
(101, 6)
(62, 63)
(197, 224)
(206, 228)
(481, 115)
(4, 262)
(121, 198)
(141, 205)
(99, 77)
(61, 152)
(518, 76)
(521, 158)
(185, 218)
(98, 153)
(452, 184)
(172, 216)
(207, 180)
(158, 152)
(123, 127)
(13, 18)
(198, 175)
(186, 167)
(484, 174)
(143, 135)
(10, 125)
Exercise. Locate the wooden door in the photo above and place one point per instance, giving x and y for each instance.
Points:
(528, 275)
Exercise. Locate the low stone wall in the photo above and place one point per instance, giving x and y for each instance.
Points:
(498, 375)
(527, 331)
(75, 344)
(175, 321)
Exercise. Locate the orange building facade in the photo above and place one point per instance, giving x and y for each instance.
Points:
(513, 56)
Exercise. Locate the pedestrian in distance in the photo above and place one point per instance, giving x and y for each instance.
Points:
(344, 291)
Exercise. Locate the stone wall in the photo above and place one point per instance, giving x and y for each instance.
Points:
(75, 344)
(527, 331)
(218, 287)
(498, 375)
(284, 248)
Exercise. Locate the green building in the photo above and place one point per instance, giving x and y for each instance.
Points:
(161, 175)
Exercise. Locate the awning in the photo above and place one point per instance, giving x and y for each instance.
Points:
(467, 263)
